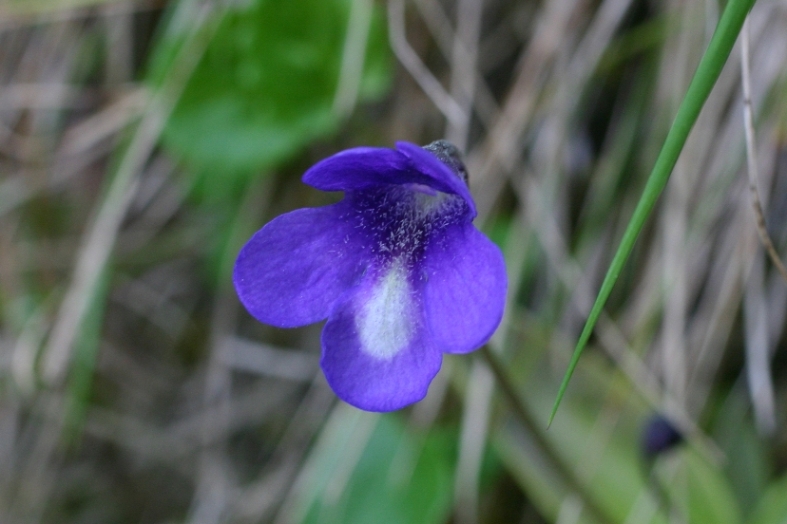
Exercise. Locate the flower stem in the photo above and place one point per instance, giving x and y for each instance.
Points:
(522, 412)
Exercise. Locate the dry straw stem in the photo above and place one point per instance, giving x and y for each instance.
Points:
(728, 202)
(439, 25)
(101, 235)
(450, 108)
(501, 147)
(353, 56)
(500, 153)
(15, 13)
(473, 437)
(756, 312)
(463, 67)
(91, 263)
(611, 337)
(214, 480)
(751, 155)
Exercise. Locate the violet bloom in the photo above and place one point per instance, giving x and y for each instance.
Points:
(659, 436)
(396, 267)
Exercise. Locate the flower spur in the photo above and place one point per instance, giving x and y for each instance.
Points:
(397, 269)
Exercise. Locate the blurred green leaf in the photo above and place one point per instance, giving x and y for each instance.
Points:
(81, 374)
(597, 436)
(772, 508)
(747, 465)
(399, 477)
(266, 85)
(706, 494)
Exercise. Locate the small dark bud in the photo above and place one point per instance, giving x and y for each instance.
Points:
(658, 436)
(450, 156)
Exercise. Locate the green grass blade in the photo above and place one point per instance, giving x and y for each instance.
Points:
(704, 79)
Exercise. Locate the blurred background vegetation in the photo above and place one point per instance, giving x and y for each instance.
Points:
(143, 141)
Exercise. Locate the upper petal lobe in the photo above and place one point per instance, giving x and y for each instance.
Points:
(365, 167)
(361, 168)
(440, 175)
(465, 290)
(292, 270)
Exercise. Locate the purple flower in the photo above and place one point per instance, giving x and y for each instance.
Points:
(396, 267)
(659, 436)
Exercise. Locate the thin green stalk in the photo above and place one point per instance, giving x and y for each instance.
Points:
(704, 79)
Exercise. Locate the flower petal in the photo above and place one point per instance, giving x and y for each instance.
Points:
(362, 167)
(465, 291)
(375, 356)
(442, 177)
(293, 270)
(365, 167)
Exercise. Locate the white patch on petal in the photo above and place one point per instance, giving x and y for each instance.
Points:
(385, 325)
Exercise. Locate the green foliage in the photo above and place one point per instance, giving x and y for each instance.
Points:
(702, 492)
(400, 477)
(265, 86)
(604, 454)
(81, 373)
(599, 439)
(747, 463)
(772, 508)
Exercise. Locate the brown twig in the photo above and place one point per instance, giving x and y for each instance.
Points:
(751, 156)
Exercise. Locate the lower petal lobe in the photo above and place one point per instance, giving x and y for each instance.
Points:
(293, 270)
(465, 290)
(375, 355)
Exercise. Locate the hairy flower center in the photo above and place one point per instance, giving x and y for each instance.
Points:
(399, 221)
(384, 324)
